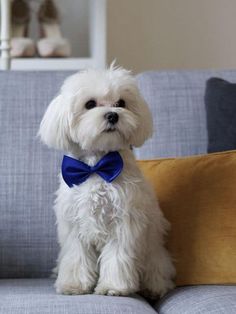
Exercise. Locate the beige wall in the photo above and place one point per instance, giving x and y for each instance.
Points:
(167, 34)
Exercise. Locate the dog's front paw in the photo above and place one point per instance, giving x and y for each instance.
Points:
(72, 289)
(106, 290)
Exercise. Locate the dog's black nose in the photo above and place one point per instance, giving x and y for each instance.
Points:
(112, 117)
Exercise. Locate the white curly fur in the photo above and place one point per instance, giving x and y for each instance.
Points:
(110, 234)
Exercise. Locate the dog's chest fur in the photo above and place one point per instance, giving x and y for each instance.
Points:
(95, 209)
(95, 206)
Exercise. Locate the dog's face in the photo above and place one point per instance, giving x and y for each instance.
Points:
(97, 111)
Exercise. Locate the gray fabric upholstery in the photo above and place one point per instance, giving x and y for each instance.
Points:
(28, 179)
(37, 296)
(199, 300)
(28, 169)
(176, 99)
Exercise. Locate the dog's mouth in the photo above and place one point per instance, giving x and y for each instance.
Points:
(110, 129)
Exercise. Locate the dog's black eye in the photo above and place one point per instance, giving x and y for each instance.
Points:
(120, 103)
(90, 104)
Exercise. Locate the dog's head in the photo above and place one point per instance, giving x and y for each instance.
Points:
(97, 111)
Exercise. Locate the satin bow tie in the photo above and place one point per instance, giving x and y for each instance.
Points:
(76, 172)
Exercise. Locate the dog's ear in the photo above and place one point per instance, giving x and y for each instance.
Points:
(145, 128)
(54, 127)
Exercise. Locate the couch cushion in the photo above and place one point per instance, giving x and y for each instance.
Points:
(37, 296)
(220, 99)
(197, 195)
(176, 99)
(199, 300)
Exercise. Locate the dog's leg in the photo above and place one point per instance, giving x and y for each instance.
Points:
(158, 270)
(118, 273)
(63, 230)
(119, 261)
(77, 268)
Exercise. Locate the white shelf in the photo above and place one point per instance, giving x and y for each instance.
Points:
(53, 64)
(96, 42)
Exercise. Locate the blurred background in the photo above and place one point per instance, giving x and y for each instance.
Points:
(139, 34)
(172, 34)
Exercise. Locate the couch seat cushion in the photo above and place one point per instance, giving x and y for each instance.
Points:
(199, 299)
(37, 296)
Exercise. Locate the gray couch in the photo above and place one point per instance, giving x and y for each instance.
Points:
(28, 179)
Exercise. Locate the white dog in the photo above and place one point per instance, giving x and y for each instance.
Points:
(110, 233)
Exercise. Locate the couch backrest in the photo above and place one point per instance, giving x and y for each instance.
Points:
(176, 99)
(28, 169)
(28, 175)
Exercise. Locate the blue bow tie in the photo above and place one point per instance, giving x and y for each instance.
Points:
(76, 172)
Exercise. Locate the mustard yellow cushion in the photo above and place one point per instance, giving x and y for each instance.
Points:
(198, 196)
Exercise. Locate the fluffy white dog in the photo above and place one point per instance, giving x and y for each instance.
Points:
(110, 233)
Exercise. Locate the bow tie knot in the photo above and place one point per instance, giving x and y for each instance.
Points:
(75, 172)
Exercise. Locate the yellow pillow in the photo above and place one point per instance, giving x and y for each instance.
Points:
(198, 196)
